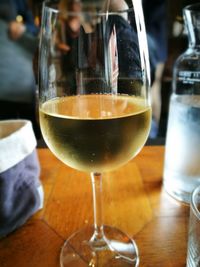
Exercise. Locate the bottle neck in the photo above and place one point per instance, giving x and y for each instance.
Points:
(192, 22)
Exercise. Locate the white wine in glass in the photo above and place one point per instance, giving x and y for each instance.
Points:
(94, 107)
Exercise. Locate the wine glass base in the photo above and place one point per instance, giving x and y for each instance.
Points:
(118, 250)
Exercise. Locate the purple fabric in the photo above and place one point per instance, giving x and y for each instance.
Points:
(19, 197)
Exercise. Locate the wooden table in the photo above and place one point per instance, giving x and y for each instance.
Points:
(134, 201)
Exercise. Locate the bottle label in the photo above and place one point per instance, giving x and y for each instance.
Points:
(189, 77)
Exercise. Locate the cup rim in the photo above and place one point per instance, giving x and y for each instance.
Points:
(192, 203)
(192, 7)
(50, 5)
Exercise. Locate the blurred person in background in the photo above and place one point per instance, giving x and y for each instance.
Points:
(155, 15)
(18, 44)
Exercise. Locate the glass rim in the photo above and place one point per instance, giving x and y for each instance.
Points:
(192, 7)
(193, 202)
(49, 5)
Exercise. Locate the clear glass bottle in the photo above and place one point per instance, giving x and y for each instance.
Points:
(182, 154)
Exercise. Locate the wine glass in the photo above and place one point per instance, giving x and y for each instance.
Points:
(94, 105)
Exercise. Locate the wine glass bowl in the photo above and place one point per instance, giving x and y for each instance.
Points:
(94, 107)
(95, 142)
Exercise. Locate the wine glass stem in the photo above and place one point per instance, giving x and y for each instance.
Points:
(98, 236)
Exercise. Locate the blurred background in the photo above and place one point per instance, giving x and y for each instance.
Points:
(20, 22)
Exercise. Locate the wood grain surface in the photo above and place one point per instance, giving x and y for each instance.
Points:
(133, 200)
